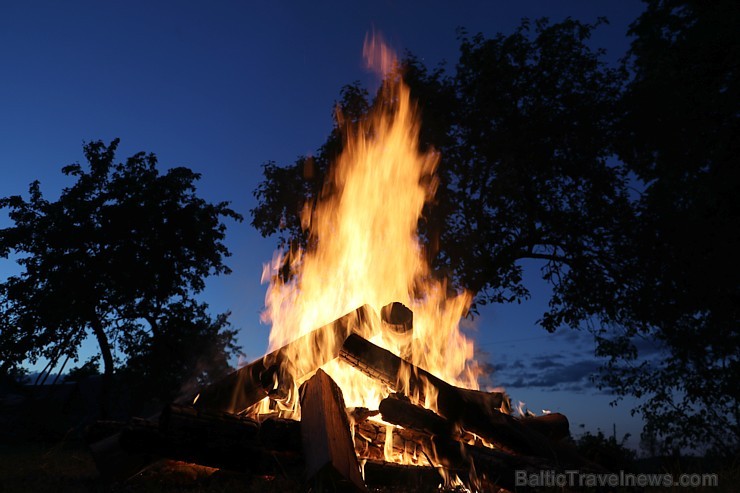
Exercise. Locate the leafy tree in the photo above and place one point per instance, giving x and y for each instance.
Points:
(118, 256)
(524, 130)
(679, 136)
(530, 177)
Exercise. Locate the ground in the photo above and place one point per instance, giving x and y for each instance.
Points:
(69, 467)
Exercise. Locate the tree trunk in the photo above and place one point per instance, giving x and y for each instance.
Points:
(107, 354)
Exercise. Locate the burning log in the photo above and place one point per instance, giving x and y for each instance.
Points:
(406, 378)
(476, 465)
(277, 446)
(487, 468)
(360, 414)
(328, 448)
(323, 443)
(505, 434)
(381, 364)
(401, 412)
(371, 443)
(273, 374)
(475, 411)
(397, 317)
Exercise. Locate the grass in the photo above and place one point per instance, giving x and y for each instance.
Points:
(69, 467)
(35, 467)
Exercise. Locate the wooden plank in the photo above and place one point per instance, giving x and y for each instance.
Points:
(186, 434)
(273, 374)
(328, 448)
(554, 426)
(387, 476)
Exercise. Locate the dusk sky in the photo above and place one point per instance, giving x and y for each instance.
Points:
(223, 87)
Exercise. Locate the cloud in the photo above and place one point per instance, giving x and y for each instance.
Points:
(502, 366)
(579, 371)
(545, 362)
(570, 335)
(548, 374)
(575, 388)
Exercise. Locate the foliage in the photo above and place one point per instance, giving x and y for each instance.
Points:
(678, 345)
(119, 254)
(529, 171)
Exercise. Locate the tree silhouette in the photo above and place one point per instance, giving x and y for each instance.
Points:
(524, 130)
(679, 136)
(540, 144)
(118, 256)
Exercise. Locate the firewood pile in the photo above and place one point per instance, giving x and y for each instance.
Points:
(470, 439)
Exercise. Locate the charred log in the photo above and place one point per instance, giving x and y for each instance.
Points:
(413, 478)
(397, 317)
(554, 426)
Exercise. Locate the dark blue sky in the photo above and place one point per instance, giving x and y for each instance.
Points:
(222, 87)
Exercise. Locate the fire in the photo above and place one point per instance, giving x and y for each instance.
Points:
(364, 249)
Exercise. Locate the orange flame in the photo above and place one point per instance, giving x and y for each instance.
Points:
(364, 249)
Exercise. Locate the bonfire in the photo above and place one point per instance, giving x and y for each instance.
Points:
(368, 378)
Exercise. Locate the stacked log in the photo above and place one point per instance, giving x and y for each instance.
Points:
(468, 436)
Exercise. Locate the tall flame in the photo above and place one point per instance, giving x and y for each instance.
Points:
(364, 249)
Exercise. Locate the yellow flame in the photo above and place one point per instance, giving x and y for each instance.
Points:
(388, 445)
(364, 249)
